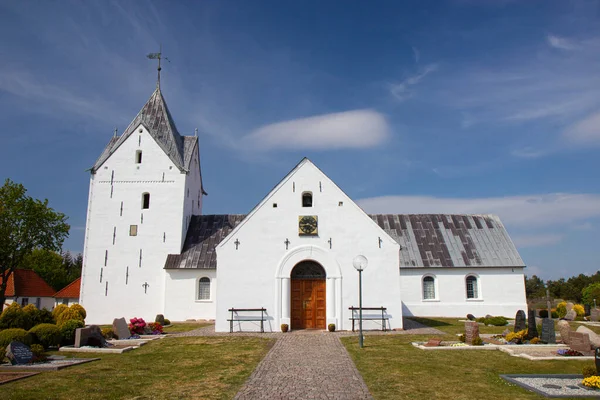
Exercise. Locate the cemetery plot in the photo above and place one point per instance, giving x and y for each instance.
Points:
(553, 385)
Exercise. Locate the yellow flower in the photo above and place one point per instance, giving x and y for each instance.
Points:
(592, 382)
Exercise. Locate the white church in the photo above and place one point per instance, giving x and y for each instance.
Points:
(150, 250)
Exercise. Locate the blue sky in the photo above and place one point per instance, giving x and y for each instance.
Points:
(410, 107)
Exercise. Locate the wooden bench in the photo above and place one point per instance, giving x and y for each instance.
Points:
(383, 317)
(235, 317)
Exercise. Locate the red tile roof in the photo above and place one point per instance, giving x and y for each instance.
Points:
(26, 283)
(71, 291)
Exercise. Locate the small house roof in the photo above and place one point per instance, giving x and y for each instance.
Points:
(26, 283)
(71, 291)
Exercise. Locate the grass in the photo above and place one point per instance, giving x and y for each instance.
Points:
(177, 327)
(393, 369)
(171, 368)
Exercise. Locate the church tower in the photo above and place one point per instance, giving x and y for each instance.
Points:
(144, 189)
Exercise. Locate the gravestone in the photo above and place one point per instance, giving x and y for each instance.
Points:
(471, 317)
(594, 337)
(548, 334)
(580, 342)
(18, 353)
(587, 309)
(520, 321)
(531, 326)
(570, 316)
(569, 306)
(471, 331)
(160, 319)
(120, 328)
(595, 314)
(433, 342)
(597, 359)
(565, 330)
(89, 336)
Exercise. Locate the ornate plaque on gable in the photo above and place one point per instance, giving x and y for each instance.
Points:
(308, 225)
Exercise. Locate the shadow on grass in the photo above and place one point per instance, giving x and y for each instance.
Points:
(429, 322)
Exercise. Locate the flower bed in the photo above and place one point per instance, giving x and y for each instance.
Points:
(568, 353)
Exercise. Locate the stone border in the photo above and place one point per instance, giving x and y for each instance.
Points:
(47, 366)
(18, 376)
(509, 349)
(510, 378)
(108, 350)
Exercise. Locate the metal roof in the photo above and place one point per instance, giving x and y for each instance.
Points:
(439, 240)
(204, 234)
(156, 118)
(426, 240)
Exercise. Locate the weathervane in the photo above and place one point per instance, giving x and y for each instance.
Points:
(158, 56)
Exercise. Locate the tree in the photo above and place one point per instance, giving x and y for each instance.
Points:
(534, 287)
(26, 224)
(591, 293)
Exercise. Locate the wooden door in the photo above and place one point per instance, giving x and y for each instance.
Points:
(308, 304)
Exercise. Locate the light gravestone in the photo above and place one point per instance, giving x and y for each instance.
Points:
(18, 353)
(471, 331)
(570, 316)
(120, 328)
(520, 321)
(580, 342)
(89, 336)
(565, 331)
(548, 334)
(531, 326)
(594, 337)
(595, 314)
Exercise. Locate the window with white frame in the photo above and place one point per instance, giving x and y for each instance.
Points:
(204, 289)
(428, 288)
(472, 289)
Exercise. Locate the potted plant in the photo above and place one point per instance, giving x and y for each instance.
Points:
(331, 327)
(284, 327)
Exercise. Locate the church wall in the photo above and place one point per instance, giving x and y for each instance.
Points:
(111, 255)
(500, 290)
(192, 200)
(181, 292)
(256, 274)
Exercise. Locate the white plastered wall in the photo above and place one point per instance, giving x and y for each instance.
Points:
(182, 293)
(501, 291)
(257, 273)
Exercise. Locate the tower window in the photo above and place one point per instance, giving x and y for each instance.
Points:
(204, 289)
(145, 201)
(307, 200)
(138, 157)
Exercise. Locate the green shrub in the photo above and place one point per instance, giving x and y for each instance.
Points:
(79, 308)
(543, 313)
(59, 309)
(47, 335)
(561, 309)
(481, 320)
(579, 310)
(477, 341)
(554, 314)
(36, 317)
(2, 354)
(167, 322)
(589, 370)
(108, 333)
(462, 338)
(67, 331)
(14, 317)
(39, 353)
(68, 315)
(496, 321)
(18, 334)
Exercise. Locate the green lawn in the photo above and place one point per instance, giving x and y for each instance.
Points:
(393, 369)
(171, 368)
(454, 325)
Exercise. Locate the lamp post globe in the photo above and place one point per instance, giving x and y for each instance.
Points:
(360, 262)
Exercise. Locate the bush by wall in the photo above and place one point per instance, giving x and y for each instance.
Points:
(59, 309)
(47, 335)
(67, 330)
(18, 334)
(14, 317)
(68, 315)
(79, 308)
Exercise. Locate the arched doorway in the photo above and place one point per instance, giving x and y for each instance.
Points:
(308, 296)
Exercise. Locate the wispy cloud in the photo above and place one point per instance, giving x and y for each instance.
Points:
(585, 132)
(536, 240)
(528, 152)
(561, 43)
(350, 129)
(518, 211)
(404, 90)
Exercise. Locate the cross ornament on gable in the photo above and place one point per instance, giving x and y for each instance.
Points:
(287, 243)
(237, 243)
(145, 286)
(330, 242)
(380, 241)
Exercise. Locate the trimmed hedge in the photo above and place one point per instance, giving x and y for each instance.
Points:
(496, 321)
(14, 317)
(18, 334)
(59, 309)
(47, 335)
(68, 315)
(67, 330)
(79, 308)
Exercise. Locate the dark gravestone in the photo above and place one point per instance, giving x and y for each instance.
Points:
(520, 321)
(471, 331)
(120, 328)
(597, 359)
(587, 309)
(160, 319)
(89, 336)
(548, 333)
(18, 353)
(471, 317)
(531, 327)
(580, 342)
